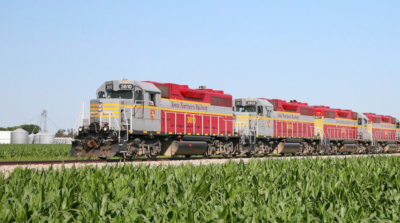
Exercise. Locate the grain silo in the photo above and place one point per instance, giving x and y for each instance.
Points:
(19, 136)
(46, 138)
(31, 137)
(36, 138)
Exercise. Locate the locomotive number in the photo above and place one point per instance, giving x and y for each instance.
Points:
(191, 119)
(109, 87)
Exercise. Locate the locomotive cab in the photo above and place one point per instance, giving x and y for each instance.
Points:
(252, 120)
(252, 116)
(364, 130)
(120, 108)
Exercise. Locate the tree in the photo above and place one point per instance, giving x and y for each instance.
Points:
(29, 128)
(71, 133)
(65, 133)
(60, 133)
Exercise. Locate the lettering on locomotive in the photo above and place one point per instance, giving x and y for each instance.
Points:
(188, 106)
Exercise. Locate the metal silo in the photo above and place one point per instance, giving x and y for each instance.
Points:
(36, 138)
(31, 137)
(46, 138)
(19, 136)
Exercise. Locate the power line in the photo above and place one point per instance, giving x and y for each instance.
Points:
(53, 122)
(32, 119)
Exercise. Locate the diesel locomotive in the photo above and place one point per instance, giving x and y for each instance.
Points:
(145, 118)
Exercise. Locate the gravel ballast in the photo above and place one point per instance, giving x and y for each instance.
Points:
(6, 170)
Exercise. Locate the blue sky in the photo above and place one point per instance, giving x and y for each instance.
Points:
(54, 54)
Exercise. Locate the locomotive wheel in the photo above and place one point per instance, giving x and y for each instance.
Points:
(151, 155)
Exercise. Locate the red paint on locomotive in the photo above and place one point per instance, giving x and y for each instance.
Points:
(293, 119)
(195, 111)
(383, 127)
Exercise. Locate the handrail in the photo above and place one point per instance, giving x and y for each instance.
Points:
(111, 116)
(185, 127)
(307, 129)
(386, 135)
(136, 104)
(321, 130)
(116, 121)
(338, 133)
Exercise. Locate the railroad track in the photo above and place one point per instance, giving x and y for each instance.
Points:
(144, 160)
(50, 162)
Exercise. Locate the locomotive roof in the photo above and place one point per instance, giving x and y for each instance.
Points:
(147, 86)
(144, 85)
(382, 118)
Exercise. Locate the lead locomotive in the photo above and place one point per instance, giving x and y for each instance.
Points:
(132, 118)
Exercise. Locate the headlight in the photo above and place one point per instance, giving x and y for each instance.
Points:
(100, 105)
(80, 129)
(105, 128)
(100, 109)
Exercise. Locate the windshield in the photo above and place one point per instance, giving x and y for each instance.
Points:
(126, 94)
(245, 109)
(120, 94)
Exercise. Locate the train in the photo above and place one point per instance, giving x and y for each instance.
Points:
(145, 118)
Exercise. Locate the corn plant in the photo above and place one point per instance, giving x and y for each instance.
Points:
(304, 190)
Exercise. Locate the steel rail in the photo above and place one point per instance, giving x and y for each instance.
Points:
(144, 160)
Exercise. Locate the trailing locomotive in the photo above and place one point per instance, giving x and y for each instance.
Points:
(132, 118)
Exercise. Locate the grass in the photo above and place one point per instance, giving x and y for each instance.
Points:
(363, 189)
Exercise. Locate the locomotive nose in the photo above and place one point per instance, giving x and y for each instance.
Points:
(104, 110)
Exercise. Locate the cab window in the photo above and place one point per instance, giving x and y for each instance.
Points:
(120, 94)
(269, 113)
(152, 98)
(246, 109)
(126, 94)
(398, 125)
(359, 121)
(101, 94)
(113, 94)
(139, 95)
(260, 110)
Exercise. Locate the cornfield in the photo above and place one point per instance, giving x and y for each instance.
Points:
(16, 152)
(304, 190)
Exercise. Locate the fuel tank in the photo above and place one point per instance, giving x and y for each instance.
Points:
(290, 146)
(348, 148)
(390, 148)
(184, 148)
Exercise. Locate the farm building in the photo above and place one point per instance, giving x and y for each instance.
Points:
(5, 137)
